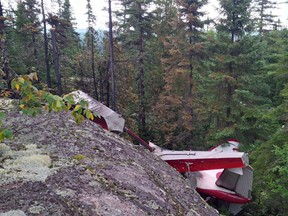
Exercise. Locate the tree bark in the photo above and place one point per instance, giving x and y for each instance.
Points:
(230, 68)
(56, 62)
(140, 77)
(111, 59)
(93, 65)
(101, 84)
(48, 76)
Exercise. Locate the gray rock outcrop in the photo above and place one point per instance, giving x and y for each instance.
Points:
(53, 166)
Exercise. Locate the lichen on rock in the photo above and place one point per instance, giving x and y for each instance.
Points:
(53, 166)
(24, 165)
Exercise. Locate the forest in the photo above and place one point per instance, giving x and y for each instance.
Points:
(179, 79)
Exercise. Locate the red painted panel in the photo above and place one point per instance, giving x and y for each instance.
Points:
(101, 121)
(218, 175)
(233, 198)
(205, 164)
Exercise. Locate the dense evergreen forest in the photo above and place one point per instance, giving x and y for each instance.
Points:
(178, 79)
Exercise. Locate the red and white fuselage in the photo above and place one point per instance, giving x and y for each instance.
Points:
(222, 173)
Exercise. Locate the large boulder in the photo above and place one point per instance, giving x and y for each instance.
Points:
(53, 166)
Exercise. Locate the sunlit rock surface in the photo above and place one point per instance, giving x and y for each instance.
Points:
(53, 166)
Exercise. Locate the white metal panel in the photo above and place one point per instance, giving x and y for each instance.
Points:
(114, 121)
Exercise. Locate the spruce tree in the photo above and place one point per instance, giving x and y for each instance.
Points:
(135, 26)
(265, 19)
(232, 29)
(238, 77)
(68, 42)
(181, 60)
(26, 36)
(270, 185)
(91, 19)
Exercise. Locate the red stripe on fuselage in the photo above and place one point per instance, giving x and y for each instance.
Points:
(191, 165)
(233, 198)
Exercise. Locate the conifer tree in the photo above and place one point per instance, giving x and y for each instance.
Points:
(58, 39)
(68, 42)
(270, 185)
(234, 61)
(235, 23)
(6, 72)
(136, 24)
(111, 59)
(56, 61)
(265, 18)
(91, 19)
(182, 59)
(27, 37)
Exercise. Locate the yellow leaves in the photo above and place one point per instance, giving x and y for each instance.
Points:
(88, 114)
(24, 81)
(68, 106)
(91, 116)
(17, 87)
(77, 108)
(21, 106)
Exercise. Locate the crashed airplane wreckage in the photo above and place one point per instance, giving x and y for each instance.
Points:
(224, 176)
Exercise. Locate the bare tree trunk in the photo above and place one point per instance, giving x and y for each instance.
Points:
(108, 93)
(111, 59)
(93, 65)
(101, 85)
(35, 52)
(56, 61)
(81, 74)
(140, 79)
(48, 76)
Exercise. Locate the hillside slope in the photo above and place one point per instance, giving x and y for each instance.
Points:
(53, 166)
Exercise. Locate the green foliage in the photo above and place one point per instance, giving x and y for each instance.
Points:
(25, 39)
(279, 185)
(33, 100)
(270, 184)
(5, 133)
(264, 19)
(269, 157)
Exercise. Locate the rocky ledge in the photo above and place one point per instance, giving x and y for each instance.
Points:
(53, 166)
